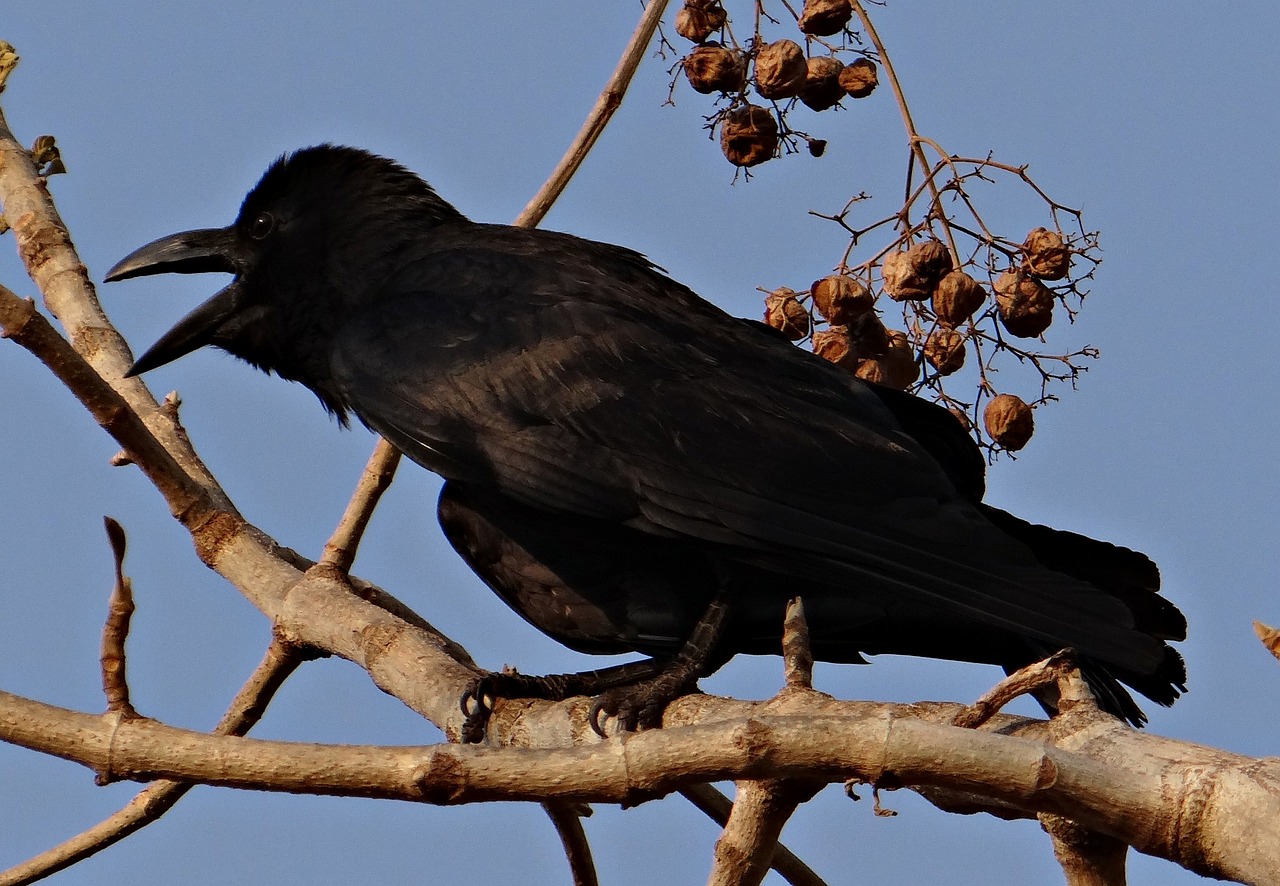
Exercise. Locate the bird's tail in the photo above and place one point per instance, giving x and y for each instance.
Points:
(1128, 576)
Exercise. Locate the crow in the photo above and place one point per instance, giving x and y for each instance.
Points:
(632, 469)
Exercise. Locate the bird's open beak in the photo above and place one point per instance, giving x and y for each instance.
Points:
(191, 252)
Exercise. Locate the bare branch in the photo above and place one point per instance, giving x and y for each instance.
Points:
(717, 807)
(1021, 682)
(281, 660)
(797, 658)
(115, 682)
(567, 818)
(608, 102)
(745, 850)
(1087, 858)
(340, 549)
(1170, 799)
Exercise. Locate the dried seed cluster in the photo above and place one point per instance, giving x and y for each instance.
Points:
(776, 71)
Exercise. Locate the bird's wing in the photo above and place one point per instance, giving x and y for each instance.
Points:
(589, 384)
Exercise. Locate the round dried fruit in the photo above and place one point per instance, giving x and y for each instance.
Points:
(914, 274)
(944, 349)
(1046, 255)
(822, 18)
(748, 135)
(699, 19)
(784, 313)
(713, 68)
(900, 360)
(834, 344)
(958, 295)
(822, 83)
(840, 299)
(859, 78)
(1024, 303)
(1008, 421)
(896, 368)
(780, 70)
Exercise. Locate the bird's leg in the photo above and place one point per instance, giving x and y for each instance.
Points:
(477, 700)
(639, 705)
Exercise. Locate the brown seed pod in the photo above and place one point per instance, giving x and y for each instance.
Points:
(822, 83)
(1024, 303)
(699, 19)
(1008, 421)
(1045, 255)
(748, 135)
(914, 274)
(840, 299)
(822, 18)
(958, 295)
(944, 349)
(714, 68)
(859, 78)
(780, 70)
(784, 313)
(896, 368)
(834, 344)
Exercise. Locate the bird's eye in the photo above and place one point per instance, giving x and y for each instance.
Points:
(262, 225)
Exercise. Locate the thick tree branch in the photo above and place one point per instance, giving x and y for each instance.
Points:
(1210, 811)
(246, 709)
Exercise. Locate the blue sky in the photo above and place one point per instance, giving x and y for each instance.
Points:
(1160, 123)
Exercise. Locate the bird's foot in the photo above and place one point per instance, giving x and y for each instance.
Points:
(478, 699)
(640, 705)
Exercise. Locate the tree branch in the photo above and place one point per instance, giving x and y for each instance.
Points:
(281, 660)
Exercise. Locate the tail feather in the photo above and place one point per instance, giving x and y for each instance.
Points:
(1132, 578)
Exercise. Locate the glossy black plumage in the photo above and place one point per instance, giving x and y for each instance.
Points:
(618, 451)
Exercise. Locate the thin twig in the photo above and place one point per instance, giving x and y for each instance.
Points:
(340, 549)
(797, 657)
(609, 101)
(567, 817)
(1021, 682)
(115, 684)
(904, 110)
(157, 798)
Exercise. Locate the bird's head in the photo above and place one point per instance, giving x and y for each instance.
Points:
(312, 238)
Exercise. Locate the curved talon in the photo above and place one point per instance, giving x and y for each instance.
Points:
(594, 718)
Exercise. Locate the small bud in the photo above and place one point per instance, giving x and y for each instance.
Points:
(840, 299)
(784, 313)
(822, 82)
(1024, 303)
(958, 295)
(748, 135)
(822, 18)
(699, 19)
(1008, 421)
(1045, 255)
(781, 70)
(914, 274)
(713, 68)
(944, 349)
(859, 78)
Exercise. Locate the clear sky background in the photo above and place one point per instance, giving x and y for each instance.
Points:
(1160, 120)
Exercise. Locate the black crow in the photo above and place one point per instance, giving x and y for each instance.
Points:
(633, 470)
